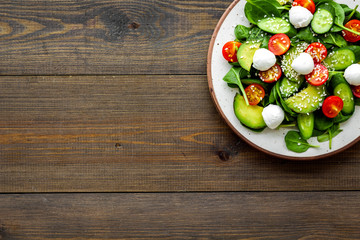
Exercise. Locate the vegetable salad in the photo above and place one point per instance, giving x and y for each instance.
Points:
(298, 65)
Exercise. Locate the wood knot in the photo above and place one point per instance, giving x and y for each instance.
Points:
(134, 25)
(118, 145)
(223, 155)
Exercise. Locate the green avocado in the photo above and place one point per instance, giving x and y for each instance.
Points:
(245, 54)
(249, 115)
(307, 100)
(288, 59)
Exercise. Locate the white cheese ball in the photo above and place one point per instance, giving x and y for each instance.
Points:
(303, 64)
(300, 17)
(273, 116)
(263, 59)
(352, 74)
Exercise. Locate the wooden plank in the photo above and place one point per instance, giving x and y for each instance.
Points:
(47, 37)
(302, 215)
(139, 133)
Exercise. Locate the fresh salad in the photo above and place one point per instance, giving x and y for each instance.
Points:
(297, 65)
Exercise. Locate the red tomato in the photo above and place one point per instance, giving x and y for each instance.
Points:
(279, 44)
(271, 75)
(318, 51)
(255, 93)
(356, 91)
(318, 76)
(308, 4)
(332, 106)
(353, 25)
(229, 51)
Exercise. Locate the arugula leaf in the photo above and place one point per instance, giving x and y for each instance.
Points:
(233, 77)
(294, 142)
(242, 32)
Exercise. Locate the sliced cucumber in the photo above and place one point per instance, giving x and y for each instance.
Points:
(322, 21)
(339, 59)
(276, 25)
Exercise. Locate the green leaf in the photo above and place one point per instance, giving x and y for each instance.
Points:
(330, 134)
(242, 32)
(294, 142)
(322, 122)
(334, 39)
(306, 34)
(256, 10)
(339, 16)
(233, 77)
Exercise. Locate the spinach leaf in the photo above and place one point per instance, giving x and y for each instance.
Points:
(256, 34)
(339, 16)
(318, 2)
(255, 10)
(294, 142)
(330, 134)
(233, 77)
(242, 32)
(357, 101)
(349, 12)
(321, 122)
(334, 39)
(306, 34)
(341, 118)
(265, 42)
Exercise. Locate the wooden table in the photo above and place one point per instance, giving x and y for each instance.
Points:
(108, 131)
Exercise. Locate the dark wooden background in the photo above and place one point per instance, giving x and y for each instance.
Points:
(108, 131)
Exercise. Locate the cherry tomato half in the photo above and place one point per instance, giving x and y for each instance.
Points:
(318, 51)
(332, 106)
(255, 93)
(356, 91)
(353, 25)
(279, 44)
(271, 75)
(308, 4)
(229, 51)
(318, 76)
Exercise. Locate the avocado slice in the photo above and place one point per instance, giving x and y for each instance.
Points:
(245, 54)
(249, 115)
(307, 100)
(288, 59)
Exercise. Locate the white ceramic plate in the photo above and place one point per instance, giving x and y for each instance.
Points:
(269, 141)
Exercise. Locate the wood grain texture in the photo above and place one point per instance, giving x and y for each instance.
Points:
(139, 134)
(47, 37)
(255, 216)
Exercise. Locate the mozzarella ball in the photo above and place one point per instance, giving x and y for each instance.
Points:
(263, 59)
(303, 64)
(300, 17)
(273, 115)
(352, 74)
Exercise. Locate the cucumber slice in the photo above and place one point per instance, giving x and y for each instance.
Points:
(322, 21)
(339, 59)
(276, 25)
